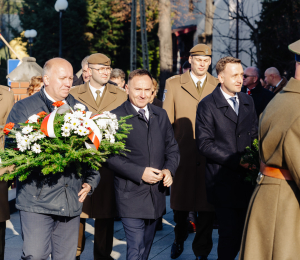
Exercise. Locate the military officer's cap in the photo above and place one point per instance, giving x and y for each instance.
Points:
(295, 48)
(99, 58)
(200, 49)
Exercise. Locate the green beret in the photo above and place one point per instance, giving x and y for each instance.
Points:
(99, 58)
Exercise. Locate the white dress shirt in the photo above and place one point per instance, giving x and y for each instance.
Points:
(195, 79)
(278, 83)
(50, 98)
(230, 102)
(145, 108)
(93, 90)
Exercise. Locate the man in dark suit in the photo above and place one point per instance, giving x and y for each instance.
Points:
(226, 123)
(273, 80)
(253, 88)
(142, 175)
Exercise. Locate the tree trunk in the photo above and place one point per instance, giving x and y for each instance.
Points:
(165, 43)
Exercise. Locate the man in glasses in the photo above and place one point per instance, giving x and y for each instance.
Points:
(99, 95)
(253, 87)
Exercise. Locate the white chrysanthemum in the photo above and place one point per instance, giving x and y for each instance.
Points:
(112, 139)
(36, 148)
(27, 129)
(102, 123)
(32, 137)
(68, 117)
(74, 123)
(65, 134)
(86, 123)
(79, 115)
(25, 141)
(22, 148)
(33, 119)
(81, 131)
(66, 127)
(86, 131)
(18, 137)
(107, 135)
(40, 135)
(80, 107)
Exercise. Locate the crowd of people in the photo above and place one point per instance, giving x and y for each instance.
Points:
(193, 141)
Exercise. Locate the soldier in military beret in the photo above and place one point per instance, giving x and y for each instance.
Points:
(99, 95)
(6, 103)
(272, 225)
(181, 97)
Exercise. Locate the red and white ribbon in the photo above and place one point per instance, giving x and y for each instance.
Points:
(47, 126)
(95, 136)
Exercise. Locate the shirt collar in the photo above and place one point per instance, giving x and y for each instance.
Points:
(278, 83)
(228, 96)
(95, 89)
(137, 108)
(50, 98)
(195, 79)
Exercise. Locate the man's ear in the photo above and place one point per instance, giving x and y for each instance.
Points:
(255, 79)
(127, 88)
(89, 70)
(221, 77)
(46, 80)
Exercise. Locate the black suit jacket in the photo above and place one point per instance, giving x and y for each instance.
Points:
(150, 146)
(222, 137)
(261, 97)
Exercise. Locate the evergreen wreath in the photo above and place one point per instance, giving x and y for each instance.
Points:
(29, 148)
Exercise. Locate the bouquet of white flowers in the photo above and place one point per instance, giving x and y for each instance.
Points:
(52, 142)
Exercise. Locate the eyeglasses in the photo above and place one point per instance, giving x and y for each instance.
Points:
(246, 76)
(103, 69)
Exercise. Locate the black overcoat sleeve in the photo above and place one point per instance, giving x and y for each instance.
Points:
(206, 143)
(126, 168)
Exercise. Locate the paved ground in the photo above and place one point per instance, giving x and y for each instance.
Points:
(160, 249)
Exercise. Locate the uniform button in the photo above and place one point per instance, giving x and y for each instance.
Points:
(239, 136)
(63, 210)
(66, 185)
(248, 133)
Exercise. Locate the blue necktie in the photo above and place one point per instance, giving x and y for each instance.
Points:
(235, 105)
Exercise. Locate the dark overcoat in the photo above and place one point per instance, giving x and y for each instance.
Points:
(222, 137)
(261, 97)
(151, 145)
(55, 194)
(181, 100)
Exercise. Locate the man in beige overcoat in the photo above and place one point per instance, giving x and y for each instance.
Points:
(181, 97)
(272, 227)
(6, 103)
(99, 96)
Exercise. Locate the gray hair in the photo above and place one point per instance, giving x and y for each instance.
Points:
(117, 73)
(84, 61)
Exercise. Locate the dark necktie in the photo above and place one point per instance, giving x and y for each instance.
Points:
(235, 105)
(142, 112)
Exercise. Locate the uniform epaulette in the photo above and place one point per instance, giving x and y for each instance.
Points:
(173, 77)
(121, 89)
(5, 88)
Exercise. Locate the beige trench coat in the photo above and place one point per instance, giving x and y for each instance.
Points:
(272, 227)
(102, 203)
(188, 192)
(6, 103)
